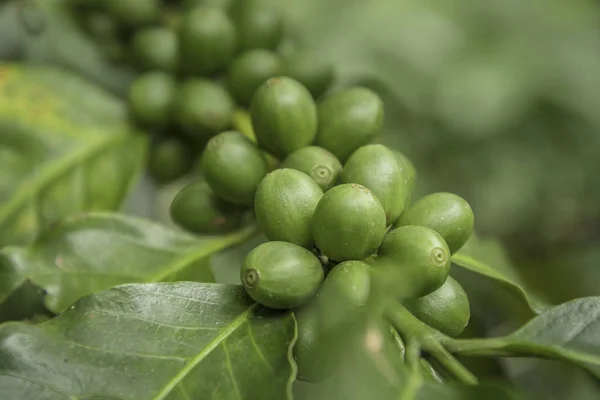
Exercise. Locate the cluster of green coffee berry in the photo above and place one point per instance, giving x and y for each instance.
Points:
(335, 210)
(198, 60)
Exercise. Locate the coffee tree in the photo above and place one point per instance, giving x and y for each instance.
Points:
(299, 262)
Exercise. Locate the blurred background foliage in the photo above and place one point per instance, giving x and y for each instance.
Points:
(495, 100)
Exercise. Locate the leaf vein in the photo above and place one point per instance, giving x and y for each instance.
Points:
(258, 350)
(124, 353)
(150, 321)
(577, 332)
(42, 385)
(225, 333)
(54, 171)
(184, 392)
(236, 388)
(77, 272)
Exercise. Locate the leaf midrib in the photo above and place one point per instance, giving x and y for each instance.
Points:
(568, 354)
(54, 170)
(515, 346)
(206, 250)
(216, 341)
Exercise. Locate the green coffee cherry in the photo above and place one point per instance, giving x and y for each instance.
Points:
(207, 40)
(250, 70)
(409, 169)
(446, 309)
(100, 25)
(113, 50)
(323, 322)
(415, 258)
(169, 159)
(312, 351)
(345, 289)
(151, 98)
(316, 162)
(87, 4)
(306, 349)
(377, 168)
(233, 166)
(349, 119)
(311, 70)
(197, 209)
(405, 161)
(224, 4)
(447, 214)
(135, 13)
(259, 26)
(284, 116)
(203, 108)
(284, 205)
(156, 49)
(349, 223)
(281, 275)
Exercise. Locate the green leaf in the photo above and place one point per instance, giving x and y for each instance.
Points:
(557, 381)
(488, 258)
(156, 341)
(569, 332)
(25, 301)
(43, 32)
(65, 146)
(92, 252)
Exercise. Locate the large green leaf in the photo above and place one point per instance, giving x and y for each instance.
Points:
(65, 146)
(569, 332)
(488, 259)
(95, 251)
(155, 341)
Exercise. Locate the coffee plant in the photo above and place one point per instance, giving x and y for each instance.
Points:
(300, 258)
